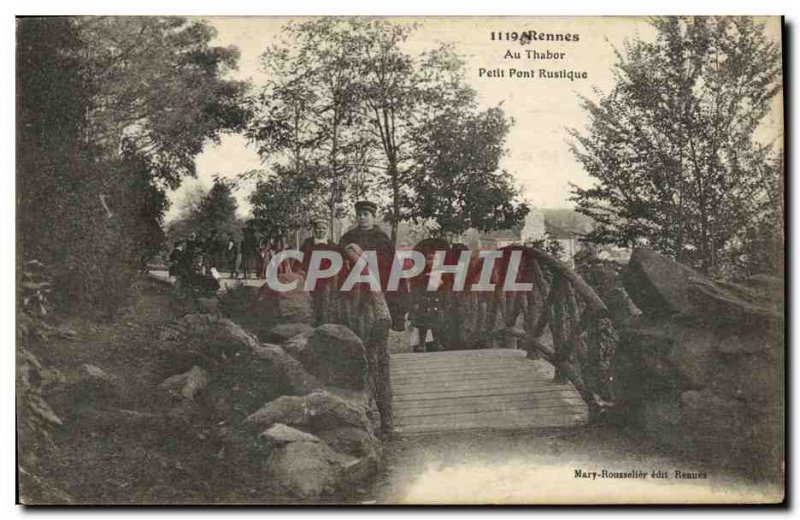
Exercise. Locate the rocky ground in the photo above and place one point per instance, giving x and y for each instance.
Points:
(175, 404)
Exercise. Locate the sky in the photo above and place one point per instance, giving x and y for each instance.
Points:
(538, 154)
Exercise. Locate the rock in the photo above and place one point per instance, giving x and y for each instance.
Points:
(319, 410)
(727, 306)
(297, 344)
(306, 470)
(351, 441)
(358, 471)
(769, 288)
(761, 289)
(279, 434)
(250, 379)
(188, 384)
(214, 336)
(286, 331)
(298, 379)
(336, 356)
(658, 285)
(232, 333)
(287, 307)
(694, 356)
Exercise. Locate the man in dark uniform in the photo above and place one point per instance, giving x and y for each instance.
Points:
(368, 237)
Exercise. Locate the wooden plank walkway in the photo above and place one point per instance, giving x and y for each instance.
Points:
(479, 390)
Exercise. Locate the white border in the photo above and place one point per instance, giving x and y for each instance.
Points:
(265, 7)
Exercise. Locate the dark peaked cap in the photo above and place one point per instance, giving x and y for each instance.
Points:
(367, 205)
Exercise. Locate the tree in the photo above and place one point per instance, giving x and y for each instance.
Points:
(216, 218)
(158, 87)
(111, 111)
(399, 93)
(344, 107)
(305, 117)
(456, 177)
(282, 202)
(672, 144)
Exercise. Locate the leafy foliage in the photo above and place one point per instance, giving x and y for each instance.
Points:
(158, 88)
(306, 116)
(216, 217)
(111, 111)
(456, 178)
(282, 202)
(672, 145)
(346, 113)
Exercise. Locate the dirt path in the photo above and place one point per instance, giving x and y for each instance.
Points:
(540, 467)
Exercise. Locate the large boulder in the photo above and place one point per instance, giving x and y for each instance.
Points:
(662, 287)
(742, 343)
(286, 307)
(319, 410)
(299, 381)
(250, 379)
(658, 285)
(261, 309)
(732, 304)
(306, 470)
(208, 336)
(647, 353)
(336, 356)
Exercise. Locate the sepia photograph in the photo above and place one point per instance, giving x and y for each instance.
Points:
(370, 260)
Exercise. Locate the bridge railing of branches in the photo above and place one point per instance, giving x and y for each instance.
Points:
(562, 320)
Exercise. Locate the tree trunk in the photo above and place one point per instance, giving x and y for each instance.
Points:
(395, 218)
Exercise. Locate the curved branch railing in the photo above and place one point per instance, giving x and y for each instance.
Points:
(562, 320)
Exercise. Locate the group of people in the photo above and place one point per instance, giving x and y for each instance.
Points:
(246, 258)
(427, 315)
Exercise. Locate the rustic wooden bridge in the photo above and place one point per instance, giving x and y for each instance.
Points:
(480, 389)
(557, 373)
(537, 358)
